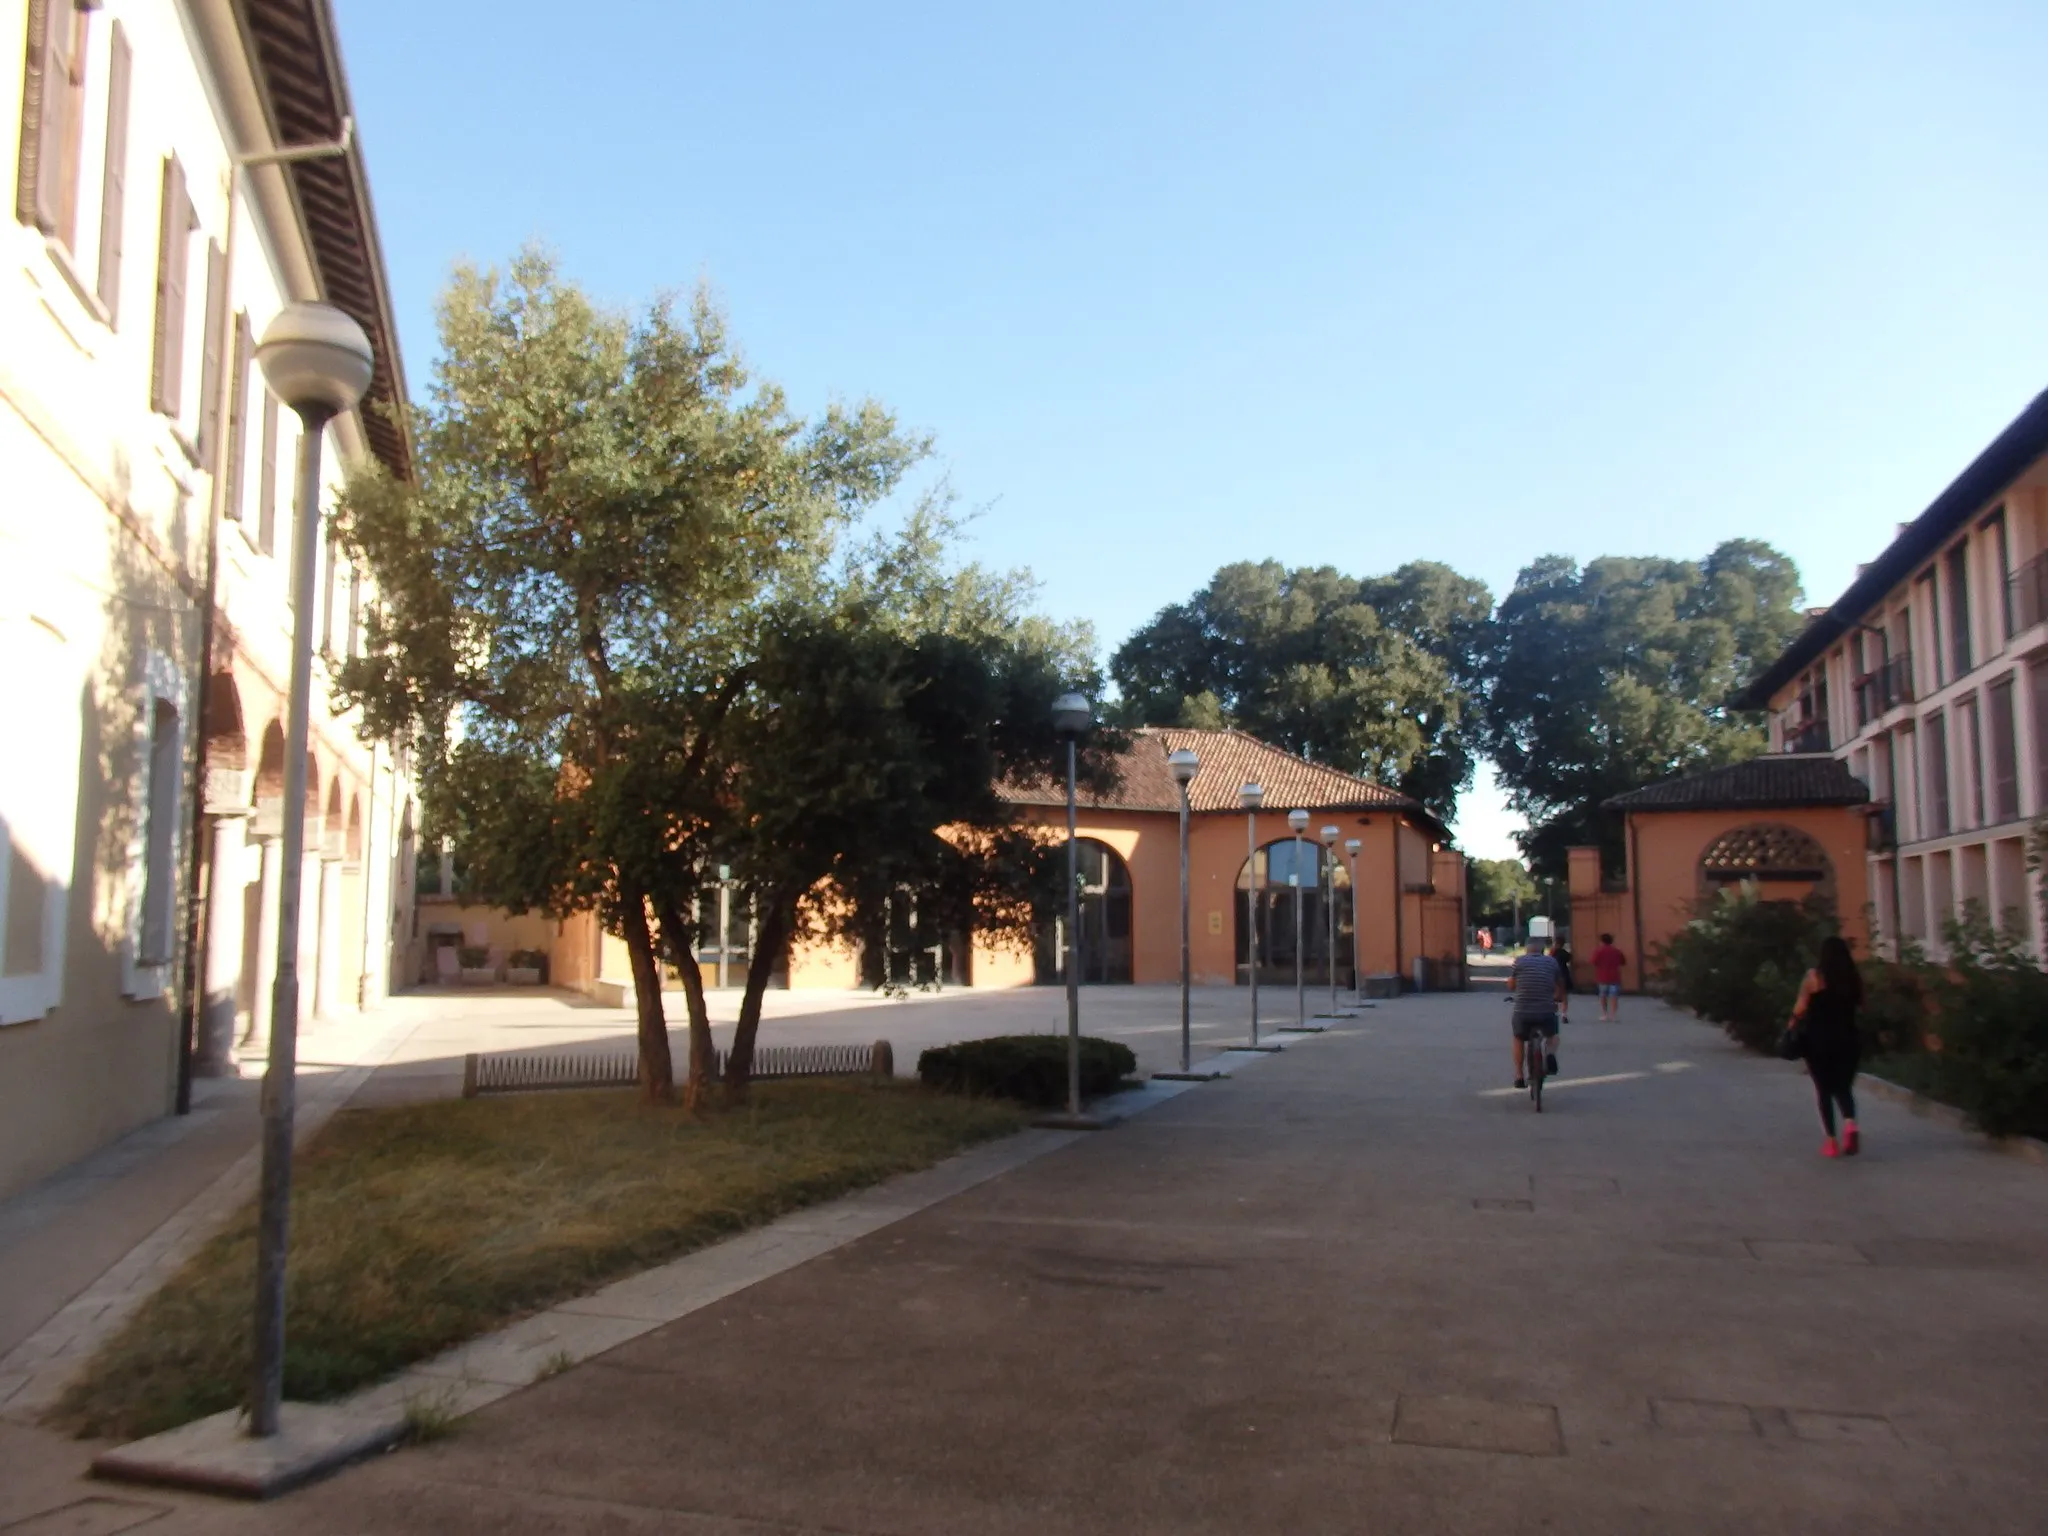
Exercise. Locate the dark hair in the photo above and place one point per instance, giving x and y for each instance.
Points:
(1606, 938)
(1838, 973)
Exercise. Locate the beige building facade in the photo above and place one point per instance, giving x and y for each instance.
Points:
(1929, 680)
(146, 511)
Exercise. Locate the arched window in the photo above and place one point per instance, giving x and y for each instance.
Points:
(1764, 853)
(1105, 937)
(1281, 864)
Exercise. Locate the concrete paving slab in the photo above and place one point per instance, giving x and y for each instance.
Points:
(217, 1455)
(1218, 1314)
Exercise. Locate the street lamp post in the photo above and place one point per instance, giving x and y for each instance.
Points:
(1329, 836)
(1298, 821)
(1184, 765)
(317, 361)
(1072, 714)
(1251, 797)
(1351, 847)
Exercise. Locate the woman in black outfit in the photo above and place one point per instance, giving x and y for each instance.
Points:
(1826, 1014)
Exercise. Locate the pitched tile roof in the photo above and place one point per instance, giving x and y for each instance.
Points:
(1230, 760)
(1779, 781)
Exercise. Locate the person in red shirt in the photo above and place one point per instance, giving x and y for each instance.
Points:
(1607, 964)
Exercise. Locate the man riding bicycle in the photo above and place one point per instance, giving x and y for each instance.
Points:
(1538, 995)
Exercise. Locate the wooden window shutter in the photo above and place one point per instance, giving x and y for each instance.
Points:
(167, 379)
(209, 356)
(48, 111)
(238, 420)
(266, 488)
(34, 91)
(114, 182)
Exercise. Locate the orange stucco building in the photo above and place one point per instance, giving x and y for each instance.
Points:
(1405, 919)
(1793, 825)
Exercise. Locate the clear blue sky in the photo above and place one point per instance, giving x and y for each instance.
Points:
(1181, 284)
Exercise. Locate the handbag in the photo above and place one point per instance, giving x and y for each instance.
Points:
(1792, 1044)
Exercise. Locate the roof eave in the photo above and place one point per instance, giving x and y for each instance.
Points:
(2003, 460)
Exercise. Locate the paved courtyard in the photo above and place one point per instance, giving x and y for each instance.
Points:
(1355, 1288)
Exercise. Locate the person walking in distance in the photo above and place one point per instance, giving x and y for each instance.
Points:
(1825, 1020)
(1536, 992)
(1607, 964)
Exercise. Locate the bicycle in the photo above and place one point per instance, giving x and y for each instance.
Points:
(1536, 1048)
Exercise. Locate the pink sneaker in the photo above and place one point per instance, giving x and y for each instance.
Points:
(1851, 1142)
(1829, 1149)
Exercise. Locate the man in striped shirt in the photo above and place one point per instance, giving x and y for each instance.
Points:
(1536, 989)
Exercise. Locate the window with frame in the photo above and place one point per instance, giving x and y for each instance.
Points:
(2004, 763)
(60, 55)
(2038, 677)
(1970, 733)
(153, 848)
(1993, 527)
(1956, 579)
(40, 692)
(1935, 739)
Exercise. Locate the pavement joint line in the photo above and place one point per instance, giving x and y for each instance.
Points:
(1566, 1082)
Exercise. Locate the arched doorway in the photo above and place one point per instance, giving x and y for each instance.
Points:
(1279, 863)
(1105, 939)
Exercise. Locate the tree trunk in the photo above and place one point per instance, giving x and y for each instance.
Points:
(776, 922)
(657, 1071)
(682, 950)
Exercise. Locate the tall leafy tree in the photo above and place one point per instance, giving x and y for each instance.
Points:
(1605, 678)
(1372, 676)
(606, 515)
(1493, 889)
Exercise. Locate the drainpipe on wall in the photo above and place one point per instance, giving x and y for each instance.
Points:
(1400, 970)
(1635, 893)
(199, 891)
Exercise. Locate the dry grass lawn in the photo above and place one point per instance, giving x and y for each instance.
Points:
(419, 1226)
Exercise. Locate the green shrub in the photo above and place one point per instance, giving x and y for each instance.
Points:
(1032, 1068)
(474, 957)
(1896, 1006)
(1987, 1039)
(1740, 961)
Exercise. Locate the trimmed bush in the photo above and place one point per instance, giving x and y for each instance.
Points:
(1032, 1068)
(1740, 961)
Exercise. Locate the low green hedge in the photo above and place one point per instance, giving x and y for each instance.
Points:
(1032, 1068)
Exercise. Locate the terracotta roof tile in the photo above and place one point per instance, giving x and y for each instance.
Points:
(1786, 779)
(1230, 759)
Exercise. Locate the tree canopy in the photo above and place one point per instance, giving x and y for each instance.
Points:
(621, 575)
(1492, 889)
(1375, 676)
(1605, 678)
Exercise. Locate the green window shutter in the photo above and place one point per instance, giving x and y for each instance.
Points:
(114, 180)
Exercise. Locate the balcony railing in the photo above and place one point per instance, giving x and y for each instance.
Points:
(1881, 828)
(2026, 595)
(1885, 689)
(1812, 736)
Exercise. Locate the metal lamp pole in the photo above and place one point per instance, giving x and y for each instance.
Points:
(1351, 847)
(318, 361)
(1184, 765)
(1329, 880)
(1298, 820)
(1071, 715)
(1251, 797)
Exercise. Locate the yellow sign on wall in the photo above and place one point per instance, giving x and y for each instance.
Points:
(1215, 922)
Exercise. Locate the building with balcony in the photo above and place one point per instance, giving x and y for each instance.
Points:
(1928, 680)
(145, 613)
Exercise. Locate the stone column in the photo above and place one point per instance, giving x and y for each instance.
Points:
(270, 889)
(327, 972)
(215, 1052)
